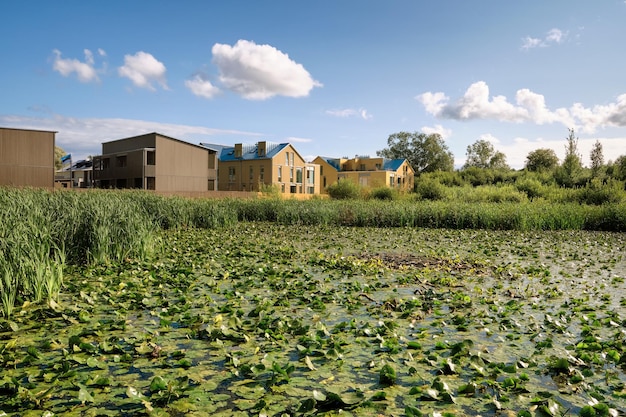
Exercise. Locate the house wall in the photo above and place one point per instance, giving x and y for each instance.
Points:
(328, 174)
(178, 166)
(181, 166)
(27, 158)
(280, 170)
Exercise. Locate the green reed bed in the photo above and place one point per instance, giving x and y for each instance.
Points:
(42, 231)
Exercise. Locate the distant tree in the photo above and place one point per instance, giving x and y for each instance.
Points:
(481, 154)
(58, 154)
(597, 159)
(618, 168)
(570, 172)
(541, 160)
(425, 153)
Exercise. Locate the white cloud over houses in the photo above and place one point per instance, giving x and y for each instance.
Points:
(345, 113)
(84, 136)
(298, 140)
(259, 72)
(202, 87)
(554, 36)
(144, 70)
(85, 70)
(438, 129)
(477, 103)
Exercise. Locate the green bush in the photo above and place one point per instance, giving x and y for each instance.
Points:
(383, 193)
(428, 188)
(344, 189)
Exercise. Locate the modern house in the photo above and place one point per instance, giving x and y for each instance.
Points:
(76, 175)
(251, 167)
(155, 162)
(27, 157)
(367, 172)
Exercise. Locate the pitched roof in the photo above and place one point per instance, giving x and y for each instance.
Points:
(334, 162)
(248, 152)
(392, 164)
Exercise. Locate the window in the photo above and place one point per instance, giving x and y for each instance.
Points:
(362, 167)
(291, 175)
(293, 156)
(150, 183)
(261, 173)
(292, 189)
(231, 174)
(150, 158)
(378, 166)
(310, 175)
(280, 174)
(287, 158)
(251, 173)
(282, 188)
(120, 161)
(106, 163)
(321, 170)
(299, 175)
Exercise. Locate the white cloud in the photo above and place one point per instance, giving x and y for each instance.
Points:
(298, 140)
(259, 72)
(83, 137)
(489, 138)
(143, 70)
(553, 36)
(440, 130)
(476, 103)
(345, 113)
(202, 87)
(85, 71)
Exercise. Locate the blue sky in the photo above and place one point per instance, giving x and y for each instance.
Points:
(333, 77)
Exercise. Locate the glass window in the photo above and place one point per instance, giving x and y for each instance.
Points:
(280, 174)
(120, 161)
(150, 158)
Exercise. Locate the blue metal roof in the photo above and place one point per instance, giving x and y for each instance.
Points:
(248, 152)
(392, 164)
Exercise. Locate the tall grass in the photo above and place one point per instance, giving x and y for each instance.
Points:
(42, 231)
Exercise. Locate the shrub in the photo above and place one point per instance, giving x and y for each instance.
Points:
(597, 193)
(383, 193)
(344, 189)
(430, 189)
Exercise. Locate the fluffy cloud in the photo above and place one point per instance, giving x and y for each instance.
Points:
(259, 72)
(531, 107)
(202, 87)
(298, 140)
(83, 137)
(85, 71)
(440, 130)
(553, 36)
(143, 70)
(361, 113)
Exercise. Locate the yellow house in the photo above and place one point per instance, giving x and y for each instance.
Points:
(367, 172)
(250, 167)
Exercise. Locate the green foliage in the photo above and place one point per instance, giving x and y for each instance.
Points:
(425, 153)
(541, 160)
(428, 188)
(384, 193)
(58, 154)
(482, 154)
(570, 173)
(344, 189)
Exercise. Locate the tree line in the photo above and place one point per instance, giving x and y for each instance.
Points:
(428, 153)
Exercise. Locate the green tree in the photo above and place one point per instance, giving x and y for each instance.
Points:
(618, 168)
(570, 172)
(541, 160)
(58, 154)
(482, 154)
(597, 159)
(425, 153)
